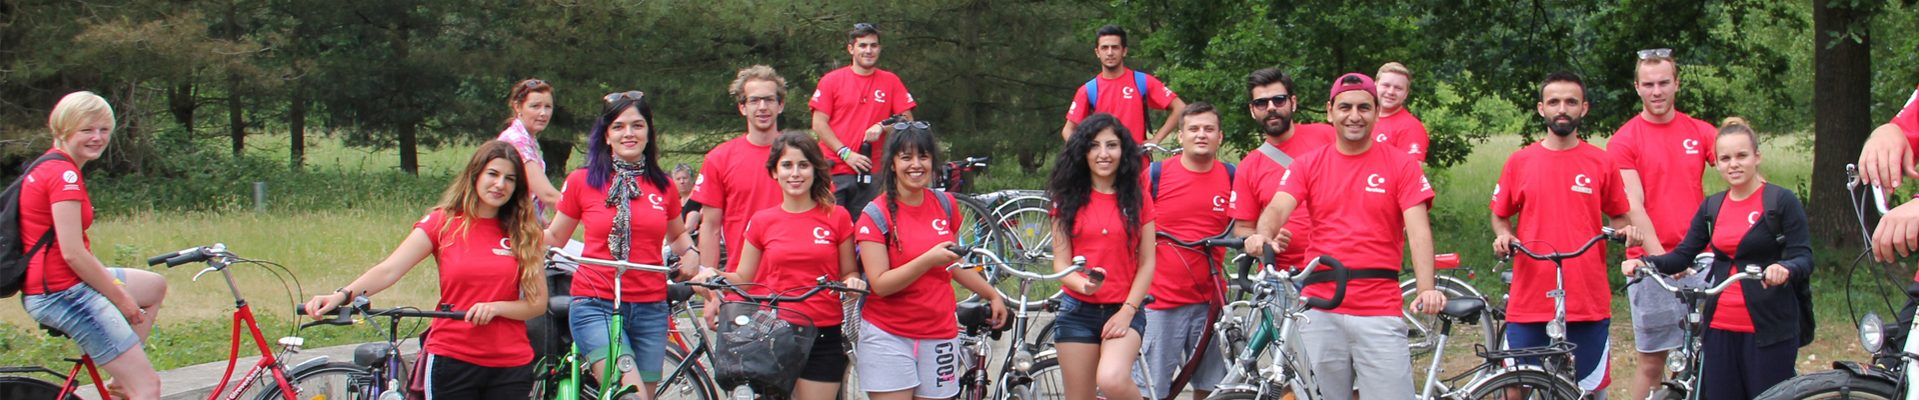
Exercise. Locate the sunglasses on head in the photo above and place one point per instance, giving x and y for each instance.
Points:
(1648, 54)
(903, 125)
(626, 95)
(865, 27)
(1265, 102)
(534, 83)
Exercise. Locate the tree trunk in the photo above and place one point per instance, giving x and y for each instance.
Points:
(409, 148)
(297, 128)
(236, 119)
(180, 103)
(556, 153)
(1842, 82)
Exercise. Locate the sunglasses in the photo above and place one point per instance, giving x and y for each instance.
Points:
(534, 83)
(626, 95)
(1265, 102)
(904, 125)
(1649, 54)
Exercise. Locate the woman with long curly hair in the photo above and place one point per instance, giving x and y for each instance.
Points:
(1102, 215)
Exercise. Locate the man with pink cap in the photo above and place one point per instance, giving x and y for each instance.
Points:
(1361, 198)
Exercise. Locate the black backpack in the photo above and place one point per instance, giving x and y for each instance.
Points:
(1802, 288)
(14, 254)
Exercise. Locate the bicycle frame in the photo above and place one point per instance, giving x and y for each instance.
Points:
(1684, 362)
(1279, 301)
(616, 362)
(218, 259)
(1016, 368)
(1215, 273)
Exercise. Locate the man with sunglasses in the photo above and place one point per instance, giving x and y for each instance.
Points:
(733, 183)
(848, 108)
(1398, 126)
(1123, 92)
(1661, 154)
(1257, 179)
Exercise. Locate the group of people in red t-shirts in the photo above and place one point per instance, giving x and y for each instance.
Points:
(857, 205)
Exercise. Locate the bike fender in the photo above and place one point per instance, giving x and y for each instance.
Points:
(1865, 371)
(310, 363)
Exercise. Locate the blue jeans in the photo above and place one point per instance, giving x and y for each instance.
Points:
(644, 335)
(88, 317)
(1081, 322)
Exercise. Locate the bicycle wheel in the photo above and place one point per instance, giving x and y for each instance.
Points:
(1422, 330)
(337, 380)
(19, 387)
(1048, 381)
(1525, 384)
(1028, 246)
(1239, 394)
(691, 383)
(1833, 384)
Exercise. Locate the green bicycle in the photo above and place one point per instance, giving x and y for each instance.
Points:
(567, 378)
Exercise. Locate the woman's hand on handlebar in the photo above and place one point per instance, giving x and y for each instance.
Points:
(319, 306)
(998, 318)
(1631, 266)
(1503, 245)
(1430, 301)
(1092, 285)
(711, 310)
(855, 283)
(1776, 275)
(482, 313)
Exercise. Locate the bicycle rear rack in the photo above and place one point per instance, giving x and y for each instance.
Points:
(1541, 351)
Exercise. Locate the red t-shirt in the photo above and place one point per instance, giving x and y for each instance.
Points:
(1099, 234)
(646, 225)
(1405, 131)
(795, 250)
(1191, 205)
(852, 103)
(1120, 97)
(1736, 217)
(1670, 159)
(1908, 119)
(1358, 205)
(1559, 197)
(51, 182)
(918, 228)
(475, 268)
(733, 178)
(1258, 179)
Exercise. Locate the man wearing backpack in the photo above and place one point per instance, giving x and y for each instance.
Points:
(1192, 192)
(1123, 92)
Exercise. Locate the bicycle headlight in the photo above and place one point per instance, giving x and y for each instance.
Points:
(1023, 360)
(1556, 329)
(1872, 333)
(626, 363)
(1676, 362)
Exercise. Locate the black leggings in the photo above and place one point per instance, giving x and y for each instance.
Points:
(1737, 367)
(448, 378)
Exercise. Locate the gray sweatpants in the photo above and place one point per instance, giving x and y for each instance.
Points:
(1170, 335)
(1370, 351)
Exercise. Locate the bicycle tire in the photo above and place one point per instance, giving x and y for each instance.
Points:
(695, 384)
(20, 387)
(335, 380)
(1540, 384)
(1028, 245)
(1832, 384)
(1048, 381)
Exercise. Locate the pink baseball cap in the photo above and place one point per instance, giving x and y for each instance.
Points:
(1365, 83)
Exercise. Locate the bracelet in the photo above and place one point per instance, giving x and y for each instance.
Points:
(844, 152)
(1135, 307)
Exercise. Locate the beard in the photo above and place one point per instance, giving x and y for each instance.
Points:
(1566, 128)
(1285, 123)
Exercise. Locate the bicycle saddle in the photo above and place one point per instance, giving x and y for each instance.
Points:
(371, 354)
(556, 307)
(1464, 308)
(52, 331)
(975, 315)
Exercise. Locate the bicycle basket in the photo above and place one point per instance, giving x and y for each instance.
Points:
(761, 346)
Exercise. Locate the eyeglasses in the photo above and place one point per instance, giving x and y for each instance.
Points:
(1265, 102)
(1649, 54)
(626, 95)
(760, 100)
(534, 83)
(904, 125)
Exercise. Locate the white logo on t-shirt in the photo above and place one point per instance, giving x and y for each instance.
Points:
(1381, 138)
(909, 97)
(506, 248)
(1126, 92)
(1219, 203)
(70, 177)
(819, 235)
(656, 200)
(1425, 185)
(1692, 145)
(1412, 148)
(879, 96)
(816, 95)
(1581, 182)
(1753, 218)
(699, 183)
(1495, 191)
(864, 231)
(1286, 176)
(1373, 181)
(940, 226)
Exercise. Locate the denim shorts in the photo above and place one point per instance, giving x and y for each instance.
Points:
(644, 335)
(88, 317)
(1080, 322)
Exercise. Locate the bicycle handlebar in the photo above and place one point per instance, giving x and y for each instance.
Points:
(822, 284)
(1150, 148)
(362, 306)
(1604, 233)
(1223, 240)
(1752, 272)
(621, 265)
(1878, 194)
(1339, 270)
(189, 255)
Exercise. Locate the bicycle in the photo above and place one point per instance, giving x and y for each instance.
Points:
(1684, 361)
(1230, 332)
(1278, 305)
(378, 370)
(759, 342)
(568, 378)
(1554, 377)
(1889, 374)
(1421, 334)
(1018, 368)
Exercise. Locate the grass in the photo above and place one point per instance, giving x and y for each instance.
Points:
(352, 207)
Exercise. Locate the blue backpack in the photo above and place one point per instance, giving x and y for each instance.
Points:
(1139, 86)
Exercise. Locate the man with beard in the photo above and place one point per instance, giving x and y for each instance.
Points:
(1661, 154)
(1368, 206)
(848, 107)
(1123, 92)
(1257, 179)
(1560, 187)
(733, 183)
(1397, 125)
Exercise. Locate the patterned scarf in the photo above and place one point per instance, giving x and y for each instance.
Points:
(619, 195)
